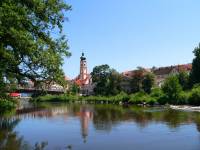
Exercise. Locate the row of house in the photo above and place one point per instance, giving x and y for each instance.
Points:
(160, 73)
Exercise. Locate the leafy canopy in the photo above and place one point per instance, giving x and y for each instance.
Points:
(195, 73)
(107, 81)
(142, 81)
(172, 88)
(28, 48)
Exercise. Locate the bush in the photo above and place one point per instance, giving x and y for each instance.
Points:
(141, 98)
(194, 98)
(183, 98)
(156, 93)
(7, 104)
(123, 97)
(172, 89)
(56, 98)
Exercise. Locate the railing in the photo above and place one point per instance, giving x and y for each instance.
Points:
(41, 89)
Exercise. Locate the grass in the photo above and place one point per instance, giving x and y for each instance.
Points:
(191, 97)
(138, 98)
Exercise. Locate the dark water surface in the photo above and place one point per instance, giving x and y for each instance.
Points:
(99, 127)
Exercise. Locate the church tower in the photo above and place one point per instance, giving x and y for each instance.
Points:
(83, 69)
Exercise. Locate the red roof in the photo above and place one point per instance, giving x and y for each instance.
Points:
(80, 82)
(167, 70)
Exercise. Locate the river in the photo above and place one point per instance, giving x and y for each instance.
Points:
(59, 126)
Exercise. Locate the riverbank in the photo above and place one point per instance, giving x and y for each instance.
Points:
(157, 97)
(7, 104)
(122, 98)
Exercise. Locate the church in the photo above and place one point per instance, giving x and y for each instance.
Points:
(84, 80)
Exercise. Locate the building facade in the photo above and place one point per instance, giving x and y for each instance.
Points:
(160, 74)
(163, 72)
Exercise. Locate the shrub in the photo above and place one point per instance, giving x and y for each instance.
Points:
(194, 98)
(183, 98)
(141, 97)
(122, 96)
(7, 104)
(56, 98)
(172, 89)
(156, 93)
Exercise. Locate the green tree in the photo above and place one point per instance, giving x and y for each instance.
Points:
(107, 81)
(137, 79)
(114, 86)
(183, 78)
(195, 73)
(194, 98)
(28, 48)
(172, 89)
(74, 88)
(148, 82)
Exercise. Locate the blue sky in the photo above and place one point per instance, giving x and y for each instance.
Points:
(129, 33)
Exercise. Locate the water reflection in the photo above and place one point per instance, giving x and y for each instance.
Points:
(86, 114)
(9, 139)
(104, 117)
(100, 117)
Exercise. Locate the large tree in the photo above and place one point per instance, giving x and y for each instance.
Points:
(172, 89)
(195, 73)
(148, 82)
(31, 42)
(137, 79)
(183, 78)
(107, 81)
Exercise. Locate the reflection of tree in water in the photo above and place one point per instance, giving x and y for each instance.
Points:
(142, 118)
(105, 116)
(175, 118)
(40, 146)
(197, 120)
(9, 139)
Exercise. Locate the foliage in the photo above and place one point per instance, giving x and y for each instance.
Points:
(27, 47)
(183, 78)
(195, 73)
(141, 98)
(148, 82)
(114, 86)
(142, 81)
(56, 98)
(156, 92)
(183, 98)
(107, 81)
(194, 98)
(7, 104)
(172, 89)
(74, 89)
(137, 79)
(157, 96)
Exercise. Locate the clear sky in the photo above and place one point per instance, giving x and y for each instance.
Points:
(129, 33)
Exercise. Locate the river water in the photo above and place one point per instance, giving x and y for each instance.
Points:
(99, 127)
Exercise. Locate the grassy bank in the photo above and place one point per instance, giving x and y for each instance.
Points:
(138, 98)
(156, 97)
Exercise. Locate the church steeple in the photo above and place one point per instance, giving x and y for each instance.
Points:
(82, 57)
(83, 67)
